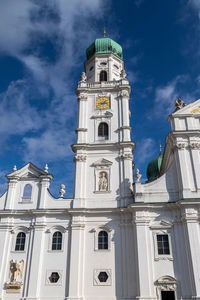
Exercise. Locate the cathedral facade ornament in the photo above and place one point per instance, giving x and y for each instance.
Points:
(195, 145)
(15, 276)
(80, 157)
(82, 97)
(137, 175)
(124, 94)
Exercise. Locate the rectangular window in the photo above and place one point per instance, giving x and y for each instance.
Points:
(163, 244)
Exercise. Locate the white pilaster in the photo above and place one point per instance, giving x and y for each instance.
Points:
(192, 241)
(76, 277)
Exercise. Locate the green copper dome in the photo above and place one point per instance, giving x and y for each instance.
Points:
(104, 45)
(153, 169)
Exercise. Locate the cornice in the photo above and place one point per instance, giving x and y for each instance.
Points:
(104, 145)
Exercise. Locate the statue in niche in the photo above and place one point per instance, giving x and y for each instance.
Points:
(103, 181)
(16, 270)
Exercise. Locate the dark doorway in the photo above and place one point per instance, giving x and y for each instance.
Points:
(167, 295)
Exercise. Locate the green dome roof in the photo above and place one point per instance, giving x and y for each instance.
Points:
(153, 169)
(104, 45)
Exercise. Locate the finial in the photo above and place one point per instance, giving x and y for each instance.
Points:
(160, 146)
(104, 32)
(46, 168)
(62, 190)
(14, 168)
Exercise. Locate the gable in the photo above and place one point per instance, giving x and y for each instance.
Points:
(29, 171)
(190, 109)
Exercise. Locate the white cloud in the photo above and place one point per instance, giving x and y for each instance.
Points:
(165, 96)
(24, 26)
(144, 150)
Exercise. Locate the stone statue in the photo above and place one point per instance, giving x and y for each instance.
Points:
(103, 182)
(83, 77)
(62, 190)
(137, 175)
(179, 104)
(16, 270)
(123, 74)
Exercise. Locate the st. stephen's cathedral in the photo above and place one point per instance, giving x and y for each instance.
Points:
(118, 238)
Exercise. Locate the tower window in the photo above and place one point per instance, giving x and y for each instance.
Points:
(103, 240)
(163, 244)
(27, 192)
(103, 131)
(20, 241)
(57, 241)
(103, 76)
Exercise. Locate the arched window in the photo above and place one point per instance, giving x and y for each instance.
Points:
(103, 131)
(103, 76)
(57, 241)
(27, 192)
(20, 241)
(103, 240)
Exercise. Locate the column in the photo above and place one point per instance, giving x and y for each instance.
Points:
(5, 245)
(143, 256)
(77, 256)
(82, 119)
(44, 185)
(195, 147)
(12, 183)
(125, 115)
(80, 180)
(36, 261)
(192, 241)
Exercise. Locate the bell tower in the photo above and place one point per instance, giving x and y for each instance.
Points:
(103, 150)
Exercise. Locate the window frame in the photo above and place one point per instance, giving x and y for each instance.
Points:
(96, 280)
(57, 243)
(103, 243)
(96, 238)
(158, 256)
(26, 200)
(103, 137)
(48, 274)
(15, 232)
(103, 72)
(20, 239)
(51, 232)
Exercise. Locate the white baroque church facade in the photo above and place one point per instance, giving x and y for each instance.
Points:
(115, 240)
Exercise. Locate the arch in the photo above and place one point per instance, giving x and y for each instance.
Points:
(103, 131)
(103, 240)
(57, 241)
(20, 241)
(103, 76)
(27, 193)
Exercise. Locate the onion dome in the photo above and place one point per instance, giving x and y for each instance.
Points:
(153, 169)
(104, 45)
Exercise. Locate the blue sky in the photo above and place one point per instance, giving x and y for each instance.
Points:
(42, 52)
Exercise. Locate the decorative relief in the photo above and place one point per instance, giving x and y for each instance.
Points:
(195, 145)
(82, 97)
(80, 157)
(181, 145)
(124, 94)
(16, 271)
(128, 156)
(166, 283)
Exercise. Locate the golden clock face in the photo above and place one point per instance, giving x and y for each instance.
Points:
(102, 103)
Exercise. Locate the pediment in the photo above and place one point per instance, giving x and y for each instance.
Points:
(27, 172)
(162, 224)
(190, 109)
(102, 162)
